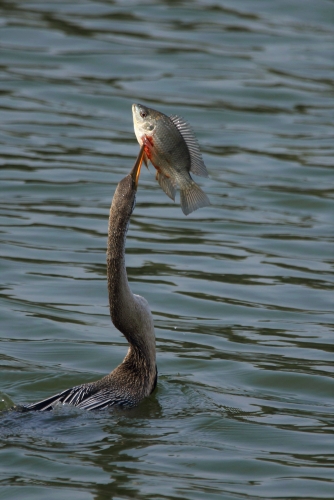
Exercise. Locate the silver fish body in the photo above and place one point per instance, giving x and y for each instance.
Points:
(173, 150)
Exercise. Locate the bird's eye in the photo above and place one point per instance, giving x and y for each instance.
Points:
(143, 114)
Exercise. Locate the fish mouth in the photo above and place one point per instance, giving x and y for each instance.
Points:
(135, 108)
(135, 172)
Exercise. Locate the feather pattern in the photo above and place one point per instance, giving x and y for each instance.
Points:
(136, 377)
(73, 396)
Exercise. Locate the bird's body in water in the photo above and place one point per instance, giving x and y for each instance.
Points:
(136, 377)
(173, 150)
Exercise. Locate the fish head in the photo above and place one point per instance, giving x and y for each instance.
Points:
(144, 121)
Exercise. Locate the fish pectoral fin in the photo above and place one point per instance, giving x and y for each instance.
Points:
(166, 184)
(147, 143)
(145, 160)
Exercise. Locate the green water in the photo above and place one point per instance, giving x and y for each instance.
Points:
(241, 292)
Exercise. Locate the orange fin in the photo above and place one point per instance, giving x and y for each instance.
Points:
(145, 160)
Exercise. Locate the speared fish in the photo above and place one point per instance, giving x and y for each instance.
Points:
(173, 150)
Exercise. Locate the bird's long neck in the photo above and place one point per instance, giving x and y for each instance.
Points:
(129, 313)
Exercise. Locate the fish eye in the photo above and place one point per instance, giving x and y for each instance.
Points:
(143, 113)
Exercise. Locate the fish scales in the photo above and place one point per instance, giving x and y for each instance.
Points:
(173, 150)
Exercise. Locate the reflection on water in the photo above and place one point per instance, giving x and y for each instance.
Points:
(241, 292)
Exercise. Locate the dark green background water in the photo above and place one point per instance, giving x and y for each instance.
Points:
(241, 292)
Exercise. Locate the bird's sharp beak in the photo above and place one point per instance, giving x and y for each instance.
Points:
(135, 172)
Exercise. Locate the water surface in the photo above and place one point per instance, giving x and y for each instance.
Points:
(241, 292)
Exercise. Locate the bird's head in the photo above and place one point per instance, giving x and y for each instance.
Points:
(125, 194)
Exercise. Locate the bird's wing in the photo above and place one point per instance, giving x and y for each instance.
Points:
(73, 396)
(85, 397)
(105, 398)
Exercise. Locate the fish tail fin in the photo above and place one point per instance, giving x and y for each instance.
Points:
(192, 197)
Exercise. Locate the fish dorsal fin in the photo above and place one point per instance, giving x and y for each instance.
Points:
(197, 165)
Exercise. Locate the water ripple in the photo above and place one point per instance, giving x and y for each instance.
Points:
(241, 292)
